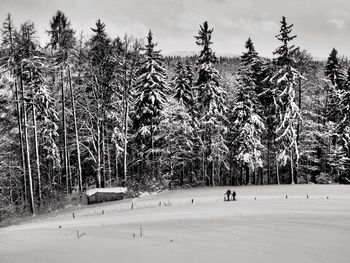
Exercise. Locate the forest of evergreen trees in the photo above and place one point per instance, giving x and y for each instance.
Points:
(101, 111)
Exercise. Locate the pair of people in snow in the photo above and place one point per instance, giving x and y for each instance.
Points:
(227, 196)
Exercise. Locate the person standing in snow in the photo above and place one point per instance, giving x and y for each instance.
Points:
(228, 194)
(233, 196)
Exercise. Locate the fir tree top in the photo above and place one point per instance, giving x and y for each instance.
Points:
(62, 36)
(285, 52)
(250, 55)
(204, 40)
(100, 33)
(210, 92)
(151, 53)
(7, 32)
(26, 40)
(332, 68)
(100, 44)
(151, 86)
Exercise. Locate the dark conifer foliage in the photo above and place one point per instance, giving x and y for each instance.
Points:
(210, 93)
(335, 81)
(182, 85)
(204, 40)
(285, 52)
(211, 106)
(248, 125)
(151, 86)
(288, 114)
(249, 57)
(333, 71)
(61, 34)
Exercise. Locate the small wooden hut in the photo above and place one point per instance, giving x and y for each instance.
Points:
(100, 195)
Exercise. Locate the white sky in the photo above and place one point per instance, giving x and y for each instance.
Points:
(319, 24)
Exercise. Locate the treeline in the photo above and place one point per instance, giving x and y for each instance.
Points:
(101, 111)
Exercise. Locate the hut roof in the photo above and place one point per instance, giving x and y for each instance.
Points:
(106, 190)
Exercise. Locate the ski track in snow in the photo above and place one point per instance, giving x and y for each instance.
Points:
(262, 226)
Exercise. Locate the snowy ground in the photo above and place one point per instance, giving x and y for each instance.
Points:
(262, 226)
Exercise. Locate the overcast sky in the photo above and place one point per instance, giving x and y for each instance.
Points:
(319, 24)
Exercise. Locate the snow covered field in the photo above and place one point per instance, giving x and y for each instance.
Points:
(262, 226)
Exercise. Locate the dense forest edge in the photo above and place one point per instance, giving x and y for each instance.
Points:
(101, 111)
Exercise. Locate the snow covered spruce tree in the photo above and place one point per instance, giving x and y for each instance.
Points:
(251, 60)
(335, 80)
(150, 98)
(312, 133)
(267, 95)
(178, 125)
(336, 96)
(182, 86)
(211, 107)
(189, 73)
(248, 125)
(176, 142)
(342, 128)
(345, 107)
(333, 71)
(285, 80)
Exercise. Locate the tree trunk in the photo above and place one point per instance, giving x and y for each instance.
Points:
(247, 175)
(9, 170)
(277, 173)
(103, 153)
(183, 174)
(212, 174)
(64, 133)
(298, 125)
(241, 174)
(36, 145)
(218, 174)
(292, 167)
(203, 165)
(231, 175)
(31, 194)
(116, 161)
(268, 162)
(126, 118)
(49, 173)
(152, 147)
(98, 174)
(69, 171)
(109, 163)
(77, 145)
(23, 162)
(171, 176)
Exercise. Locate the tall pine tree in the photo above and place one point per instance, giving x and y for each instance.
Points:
(285, 80)
(151, 89)
(211, 106)
(248, 124)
